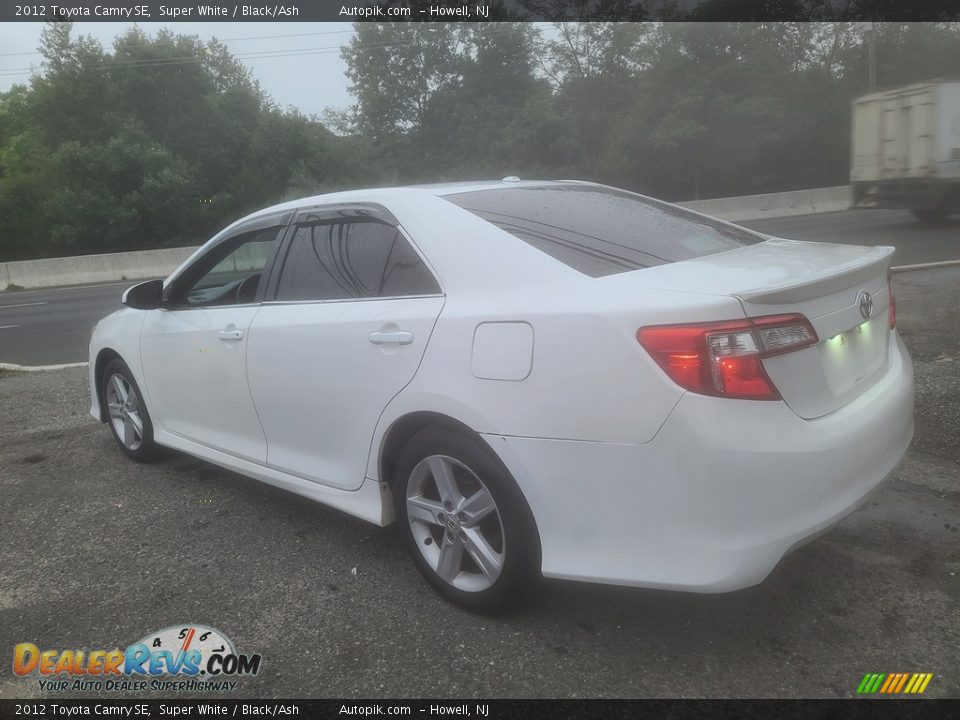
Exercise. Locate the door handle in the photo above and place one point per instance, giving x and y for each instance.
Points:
(230, 335)
(400, 337)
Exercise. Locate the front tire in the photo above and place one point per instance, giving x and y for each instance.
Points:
(128, 418)
(466, 524)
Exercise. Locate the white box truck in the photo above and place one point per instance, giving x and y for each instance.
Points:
(905, 150)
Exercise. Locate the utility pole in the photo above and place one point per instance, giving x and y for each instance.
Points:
(872, 55)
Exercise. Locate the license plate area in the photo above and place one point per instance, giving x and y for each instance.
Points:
(854, 355)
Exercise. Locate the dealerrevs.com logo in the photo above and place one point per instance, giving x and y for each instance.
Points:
(187, 657)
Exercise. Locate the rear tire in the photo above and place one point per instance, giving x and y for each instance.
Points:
(465, 522)
(127, 413)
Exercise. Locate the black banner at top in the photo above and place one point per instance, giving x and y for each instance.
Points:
(479, 10)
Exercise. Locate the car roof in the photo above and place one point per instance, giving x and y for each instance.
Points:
(387, 193)
(416, 207)
(390, 196)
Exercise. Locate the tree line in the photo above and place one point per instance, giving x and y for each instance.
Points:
(163, 139)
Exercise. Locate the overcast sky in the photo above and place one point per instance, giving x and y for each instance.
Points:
(310, 82)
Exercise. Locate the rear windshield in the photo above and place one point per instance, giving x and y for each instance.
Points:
(601, 231)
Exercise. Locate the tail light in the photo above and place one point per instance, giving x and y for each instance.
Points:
(892, 312)
(725, 358)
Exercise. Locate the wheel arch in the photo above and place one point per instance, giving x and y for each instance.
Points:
(405, 427)
(104, 357)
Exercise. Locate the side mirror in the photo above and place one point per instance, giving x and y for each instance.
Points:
(145, 296)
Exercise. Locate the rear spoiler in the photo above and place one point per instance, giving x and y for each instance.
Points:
(843, 276)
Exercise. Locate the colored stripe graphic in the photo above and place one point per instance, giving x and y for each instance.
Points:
(894, 683)
(870, 683)
(891, 681)
(903, 680)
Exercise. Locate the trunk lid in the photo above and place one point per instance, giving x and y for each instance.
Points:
(824, 282)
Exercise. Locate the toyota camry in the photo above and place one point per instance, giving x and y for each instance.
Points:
(530, 378)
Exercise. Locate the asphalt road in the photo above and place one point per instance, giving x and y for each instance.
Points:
(52, 326)
(915, 243)
(96, 551)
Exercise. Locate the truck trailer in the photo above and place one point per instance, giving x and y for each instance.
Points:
(905, 150)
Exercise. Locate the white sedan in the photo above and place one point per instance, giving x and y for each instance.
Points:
(555, 378)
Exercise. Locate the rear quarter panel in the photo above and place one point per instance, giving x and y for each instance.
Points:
(589, 378)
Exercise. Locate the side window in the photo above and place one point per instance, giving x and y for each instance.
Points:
(230, 274)
(343, 261)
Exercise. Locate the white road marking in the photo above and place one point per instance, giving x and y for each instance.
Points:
(88, 287)
(40, 368)
(29, 291)
(22, 305)
(4, 327)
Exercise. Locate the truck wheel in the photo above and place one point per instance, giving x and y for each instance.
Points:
(930, 216)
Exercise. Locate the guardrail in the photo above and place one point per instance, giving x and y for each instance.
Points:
(87, 269)
(774, 205)
(144, 264)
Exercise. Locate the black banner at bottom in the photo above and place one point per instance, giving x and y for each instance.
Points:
(491, 709)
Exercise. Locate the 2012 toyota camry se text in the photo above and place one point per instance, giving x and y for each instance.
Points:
(555, 378)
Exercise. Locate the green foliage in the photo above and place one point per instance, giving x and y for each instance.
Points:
(157, 144)
(676, 110)
(164, 139)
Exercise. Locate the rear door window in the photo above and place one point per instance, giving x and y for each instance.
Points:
(601, 231)
(351, 260)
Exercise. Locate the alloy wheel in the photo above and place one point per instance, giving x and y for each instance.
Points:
(455, 523)
(124, 407)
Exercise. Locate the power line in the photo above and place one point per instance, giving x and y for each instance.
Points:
(236, 39)
(270, 37)
(185, 60)
(248, 55)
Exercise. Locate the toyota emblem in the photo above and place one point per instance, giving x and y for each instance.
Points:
(865, 301)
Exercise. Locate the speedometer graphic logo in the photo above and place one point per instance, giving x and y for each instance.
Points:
(189, 649)
(189, 657)
(198, 642)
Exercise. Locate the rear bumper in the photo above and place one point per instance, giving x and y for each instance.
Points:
(715, 500)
